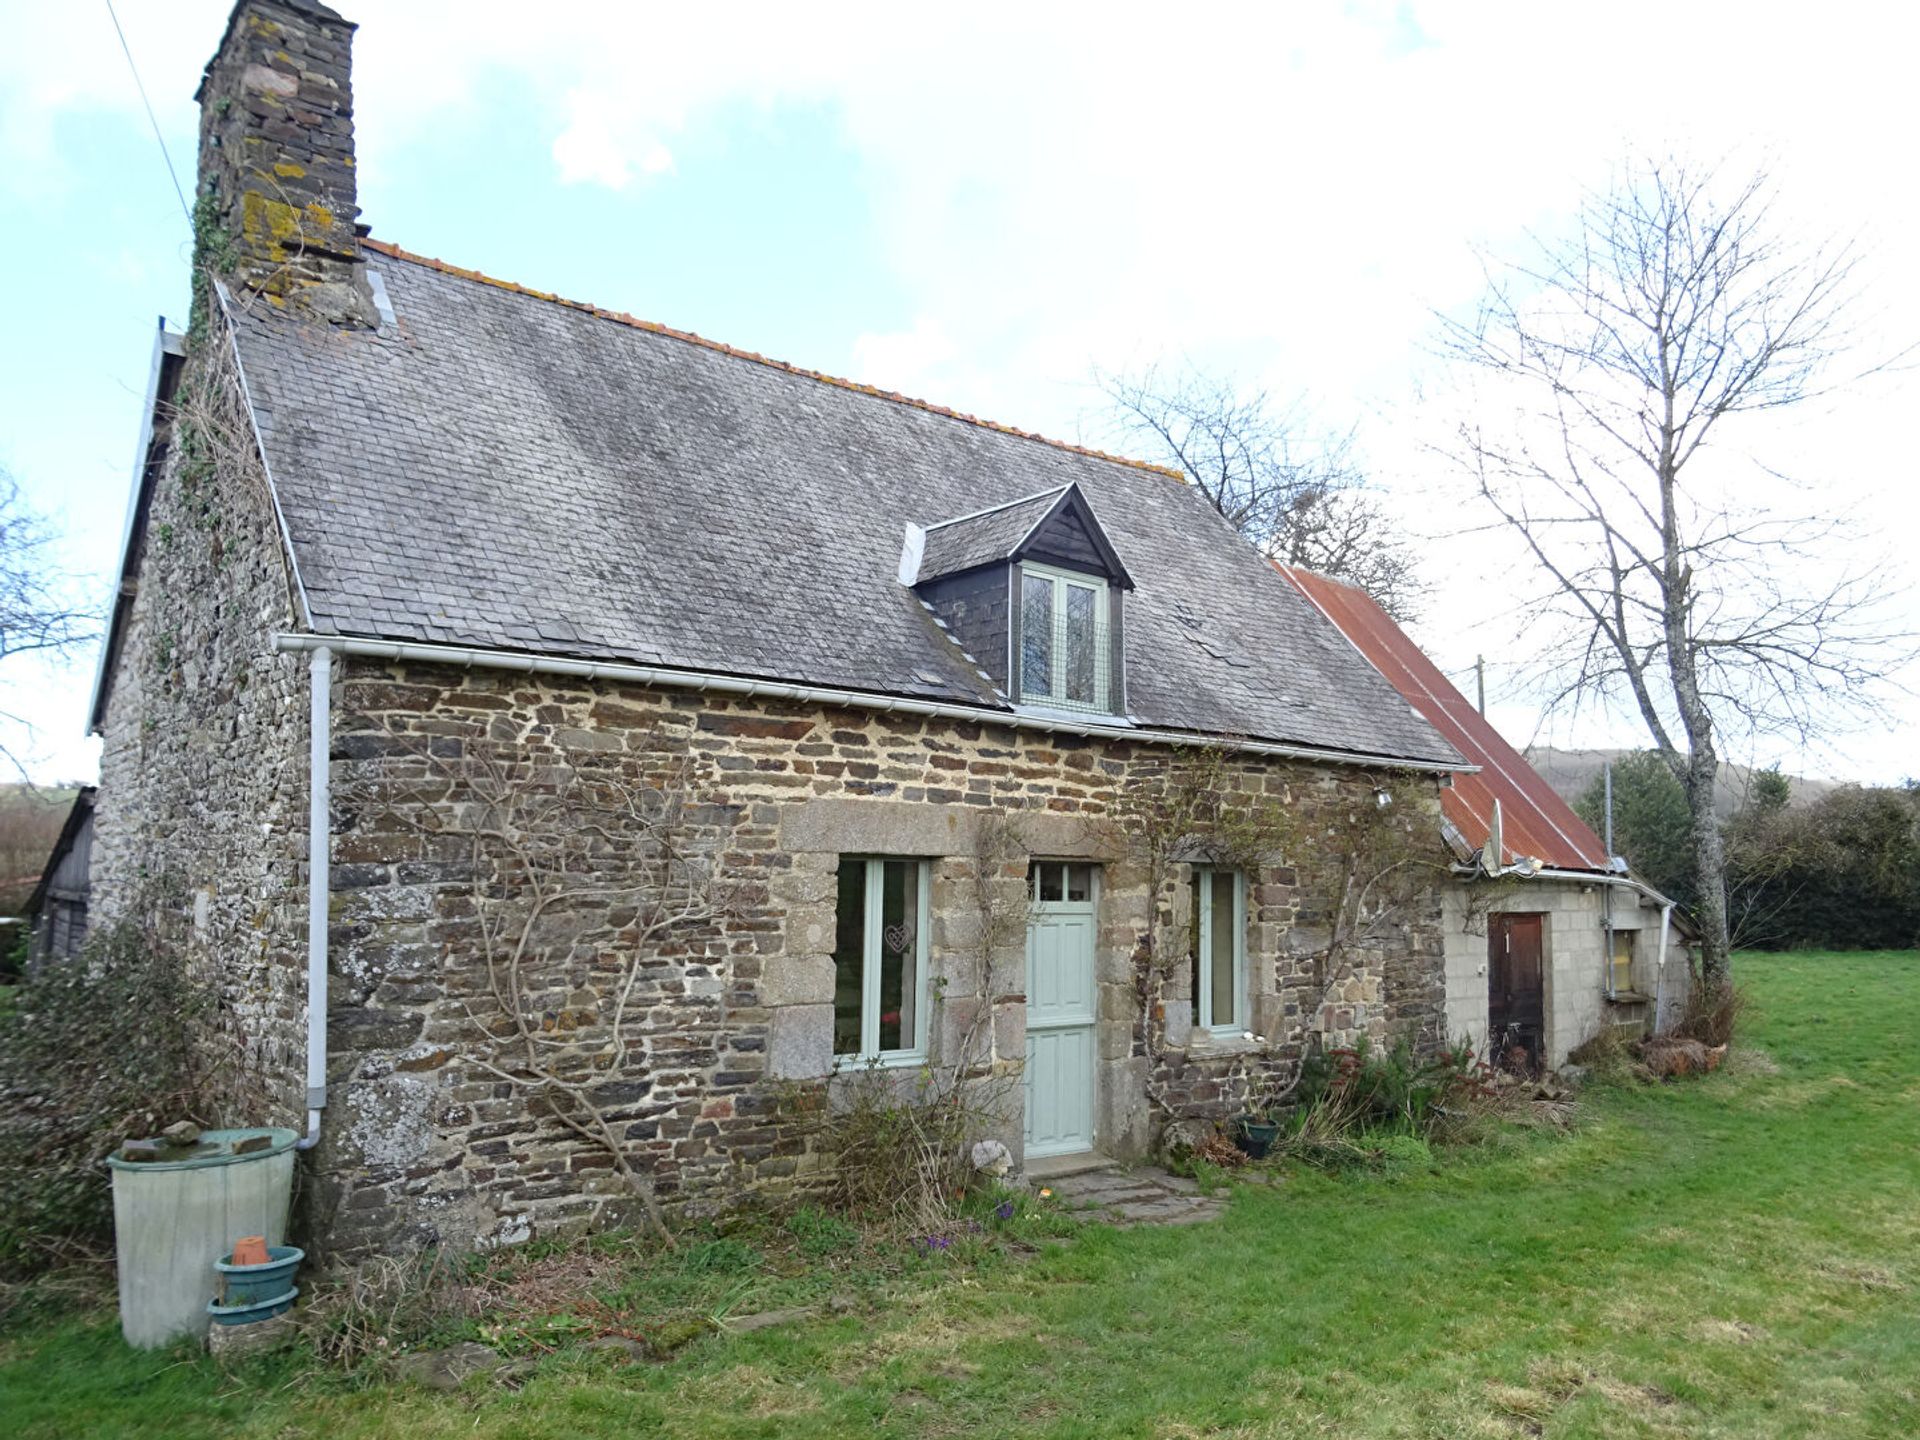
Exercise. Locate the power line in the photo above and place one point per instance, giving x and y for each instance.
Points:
(153, 120)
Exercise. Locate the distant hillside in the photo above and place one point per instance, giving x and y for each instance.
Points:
(30, 821)
(1569, 772)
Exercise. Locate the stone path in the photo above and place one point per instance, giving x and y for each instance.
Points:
(1134, 1195)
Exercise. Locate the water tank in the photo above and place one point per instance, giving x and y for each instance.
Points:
(174, 1217)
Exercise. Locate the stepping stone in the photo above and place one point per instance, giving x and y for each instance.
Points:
(450, 1368)
(766, 1320)
(1136, 1195)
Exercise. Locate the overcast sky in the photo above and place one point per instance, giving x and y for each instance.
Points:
(978, 204)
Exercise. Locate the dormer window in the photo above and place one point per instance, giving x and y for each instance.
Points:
(1031, 592)
(1064, 639)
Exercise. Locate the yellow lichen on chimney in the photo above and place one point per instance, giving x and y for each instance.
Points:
(268, 224)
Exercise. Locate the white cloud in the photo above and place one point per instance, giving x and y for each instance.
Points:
(591, 151)
(905, 360)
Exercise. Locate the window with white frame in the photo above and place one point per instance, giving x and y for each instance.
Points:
(1064, 657)
(880, 960)
(1218, 935)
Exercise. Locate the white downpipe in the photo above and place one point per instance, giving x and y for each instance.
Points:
(1660, 968)
(319, 857)
(521, 663)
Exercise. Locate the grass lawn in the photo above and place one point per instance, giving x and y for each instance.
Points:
(1737, 1256)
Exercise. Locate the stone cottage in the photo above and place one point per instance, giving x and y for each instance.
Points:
(1549, 939)
(573, 747)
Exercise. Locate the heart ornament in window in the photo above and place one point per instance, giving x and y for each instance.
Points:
(899, 937)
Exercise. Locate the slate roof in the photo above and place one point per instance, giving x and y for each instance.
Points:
(982, 538)
(1534, 820)
(506, 470)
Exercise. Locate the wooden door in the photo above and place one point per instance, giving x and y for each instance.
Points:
(1060, 1010)
(1516, 986)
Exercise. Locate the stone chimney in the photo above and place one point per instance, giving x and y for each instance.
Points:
(276, 213)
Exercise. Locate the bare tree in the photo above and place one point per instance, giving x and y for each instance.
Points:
(1623, 360)
(36, 616)
(1296, 492)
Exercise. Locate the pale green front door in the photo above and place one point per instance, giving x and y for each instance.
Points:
(1060, 1010)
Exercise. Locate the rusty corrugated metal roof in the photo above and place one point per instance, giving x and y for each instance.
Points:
(1535, 821)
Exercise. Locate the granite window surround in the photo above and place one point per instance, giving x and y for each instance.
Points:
(880, 956)
(1217, 934)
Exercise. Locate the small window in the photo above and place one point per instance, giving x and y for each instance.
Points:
(1064, 659)
(1218, 940)
(1053, 882)
(1622, 961)
(880, 960)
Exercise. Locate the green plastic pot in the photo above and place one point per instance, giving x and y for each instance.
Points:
(245, 1284)
(1255, 1137)
(256, 1312)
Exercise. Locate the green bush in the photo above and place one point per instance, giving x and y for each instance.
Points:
(1354, 1105)
(92, 1051)
(1842, 872)
(1652, 825)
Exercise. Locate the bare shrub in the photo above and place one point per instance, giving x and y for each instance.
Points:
(77, 1280)
(96, 1050)
(1711, 1013)
(901, 1146)
(386, 1303)
(1218, 1151)
(1671, 1057)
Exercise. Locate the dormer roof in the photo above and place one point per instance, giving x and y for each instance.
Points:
(1057, 525)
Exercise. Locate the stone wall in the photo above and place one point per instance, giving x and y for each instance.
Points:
(729, 1029)
(200, 820)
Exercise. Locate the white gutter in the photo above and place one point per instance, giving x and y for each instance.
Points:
(520, 662)
(319, 858)
(1585, 877)
(1629, 883)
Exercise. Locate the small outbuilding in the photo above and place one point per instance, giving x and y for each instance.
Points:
(57, 910)
(1548, 938)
